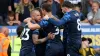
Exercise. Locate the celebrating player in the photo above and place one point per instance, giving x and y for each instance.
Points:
(30, 37)
(54, 46)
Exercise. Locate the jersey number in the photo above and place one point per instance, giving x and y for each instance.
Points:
(57, 31)
(68, 54)
(25, 35)
(78, 26)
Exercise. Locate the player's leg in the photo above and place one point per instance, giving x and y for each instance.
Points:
(73, 46)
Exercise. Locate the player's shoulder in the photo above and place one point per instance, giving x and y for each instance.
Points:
(35, 31)
(73, 11)
(43, 23)
(74, 14)
(43, 20)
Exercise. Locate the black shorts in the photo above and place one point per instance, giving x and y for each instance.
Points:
(27, 52)
(54, 49)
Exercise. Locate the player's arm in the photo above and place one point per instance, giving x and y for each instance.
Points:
(30, 24)
(63, 20)
(37, 26)
(33, 26)
(36, 39)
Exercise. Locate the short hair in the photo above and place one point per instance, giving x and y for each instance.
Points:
(39, 9)
(76, 5)
(67, 4)
(47, 7)
(11, 13)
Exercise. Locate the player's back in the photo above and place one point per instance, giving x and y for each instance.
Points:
(26, 39)
(72, 27)
(72, 34)
(53, 29)
(54, 46)
(27, 45)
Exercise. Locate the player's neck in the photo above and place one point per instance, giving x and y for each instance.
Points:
(49, 14)
(34, 21)
(69, 10)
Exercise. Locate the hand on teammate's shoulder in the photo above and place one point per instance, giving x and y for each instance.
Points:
(46, 17)
(27, 19)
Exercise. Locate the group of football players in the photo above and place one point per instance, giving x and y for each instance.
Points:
(40, 36)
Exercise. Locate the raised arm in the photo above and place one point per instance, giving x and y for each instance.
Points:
(63, 20)
(42, 23)
(33, 26)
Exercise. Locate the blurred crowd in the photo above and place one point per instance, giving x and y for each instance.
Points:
(13, 12)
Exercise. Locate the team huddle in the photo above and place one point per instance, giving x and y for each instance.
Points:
(40, 36)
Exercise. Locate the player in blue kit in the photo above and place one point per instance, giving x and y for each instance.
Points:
(40, 48)
(27, 45)
(72, 31)
(29, 38)
(54, 46)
